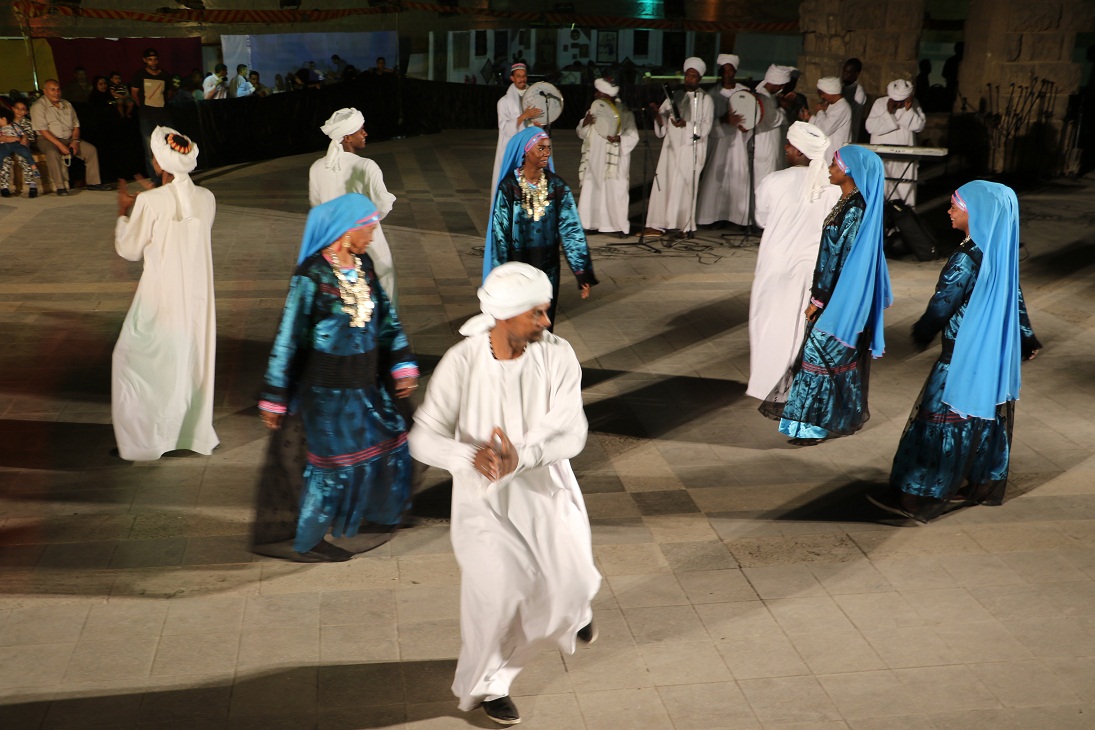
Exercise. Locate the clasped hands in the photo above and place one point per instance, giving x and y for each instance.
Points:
(496, 459)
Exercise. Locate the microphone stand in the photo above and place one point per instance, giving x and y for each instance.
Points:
(750, 151)
(641, 243)
(695, 163)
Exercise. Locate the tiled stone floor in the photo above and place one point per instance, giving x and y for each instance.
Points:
(746, 583)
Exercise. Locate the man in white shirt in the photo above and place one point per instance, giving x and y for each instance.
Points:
(724, 189)
(684, 151)
(343, 170)
(833, 115)
(605, 170)
(503, 414)
(215, 86)
(511, 117)
(241, 85)
(791, 207)
(768, 155)
(895, 119)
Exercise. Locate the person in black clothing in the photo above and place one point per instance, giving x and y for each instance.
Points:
(151, 90)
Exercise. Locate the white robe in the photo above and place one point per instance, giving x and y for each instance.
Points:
(603, 201)
(161, 395)
(724, 189)
(680, 165)
(899, 128)
(836, 123)
(358, 174)
(784, 274)
(769, 136)
(857, 99)
(509, 108)
(523, 543)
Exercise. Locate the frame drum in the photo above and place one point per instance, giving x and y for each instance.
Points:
(747, 105)
(545, 97)
(606, 119)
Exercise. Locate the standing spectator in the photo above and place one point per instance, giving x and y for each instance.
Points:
(338, 67)
(259, 89)
(215, 85)
(895, 119)
(150, 92)
(279, 85)
(100, 92)
(240, 86)
(120, 95)
(950, 71)
(854, 94)
(80, 88)
(58, 130)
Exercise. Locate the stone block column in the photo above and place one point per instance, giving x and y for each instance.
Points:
(883, 34)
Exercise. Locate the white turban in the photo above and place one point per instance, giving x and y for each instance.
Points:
(830, 85)
(605, 87)
(777, 74)
(727, 58)
(509, 290)
(899, 90)
(812, 142)
(178, 158)
(696, 63)
(342, 123)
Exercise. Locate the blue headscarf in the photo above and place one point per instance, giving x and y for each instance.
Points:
(511, 159)
(327, 222)
(984, 369)
(863, 289)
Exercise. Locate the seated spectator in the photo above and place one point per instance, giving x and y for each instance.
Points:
(100, 92)
(338, 67)
(184, 90)
(14, 141)
(240, 85)
(215, 85)
(349, 73)
(279, 85)
(381, 67)
(259, 89)
(58, 130)
(79, 89)
(120, 92)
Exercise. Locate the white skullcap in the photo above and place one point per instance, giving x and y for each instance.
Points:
(342, 123)
(727, 58)
(696, 63)
(605, 87)
(899, 90)
(777, 74)
(509, 290)
(179, 160)
(812, 142)
(830, 85)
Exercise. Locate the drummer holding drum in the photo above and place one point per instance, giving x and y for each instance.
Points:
(608, 135)
(725, 187)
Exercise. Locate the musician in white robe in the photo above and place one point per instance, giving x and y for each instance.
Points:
(768, 135)
(833, 115)
(503, 414)
(724, 189)
(672, 203)
(605, 169)
(511, 117)
(791, 207)
(161, 393)
(854, 94)
(895, 119)
(343, 170)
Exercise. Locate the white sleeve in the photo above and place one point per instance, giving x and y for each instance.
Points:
(433, 437)
(375, 189)
(912, 120)
(629, 133)
(507, 119)
(880, 121)
(762, 201)
(561, 433)
(133, 233)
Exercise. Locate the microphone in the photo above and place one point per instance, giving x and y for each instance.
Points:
(549, 96)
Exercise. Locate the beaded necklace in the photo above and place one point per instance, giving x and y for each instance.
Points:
(356, 299)
(534, 197)
(838, 209)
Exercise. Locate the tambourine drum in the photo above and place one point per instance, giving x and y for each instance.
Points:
(546, 97)
(606, 119)
(748, 106)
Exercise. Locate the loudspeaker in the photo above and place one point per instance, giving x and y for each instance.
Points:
(912, 234)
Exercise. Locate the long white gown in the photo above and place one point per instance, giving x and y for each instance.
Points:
(358, 174)
(161, 393)
(899, 128)
(604, 198)
(784, 274)
(724, 189)
(768, 138)
(523, 543)
(509, 108)
(680, 165)
(836, 123)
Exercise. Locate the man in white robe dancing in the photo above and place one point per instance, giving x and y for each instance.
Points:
(895, 119)
(605, 169)
(724, 189)
(343, 170)
(503, 414)
(684, 151)
(791, 207)
(511, 117)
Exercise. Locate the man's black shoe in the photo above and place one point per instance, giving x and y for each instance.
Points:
(99, 188)
(4, 192)
(502, 711)
(62, 191)
(588, 633)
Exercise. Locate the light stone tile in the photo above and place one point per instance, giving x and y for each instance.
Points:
(982, 642)
(427, 640)
(639, 591)
(679, 528)
(789, 699)
(1073, 598)
(759, 656)
(946, 606)
(429, 570)
(716, 586)
(294, 647)
(1054, 637)
(910, 646)
(919, 573)
(951, 688)
(337, 608)
(684, 663)
(665, 625)
(200, 654)
(1044, 566)
(44, 624)
(427, 603)
(833, 650)
(904, 722)
(859, 576)
(879, 610)
(868, 694)
(34, 665)
(121, 619)
(979, 570)
(117, 659)
(1017, 602)
(1024, 684)
(638, 709)
(636, 559)
(789, 581)
(810, 614)
(202, 615)
(610, 668)
(714, 706)
(290, 611)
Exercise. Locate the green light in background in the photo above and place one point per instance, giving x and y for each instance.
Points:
(648, 9)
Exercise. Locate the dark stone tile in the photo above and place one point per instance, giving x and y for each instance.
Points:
(155, 553)
(600, 483)
(675, 502)
(83, 555)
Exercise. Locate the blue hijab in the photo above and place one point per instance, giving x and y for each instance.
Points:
(863, 289)
(326, 223)
(512, 158)
(984, 369)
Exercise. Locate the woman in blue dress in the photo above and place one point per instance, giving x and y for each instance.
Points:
(957, 442)
(533, 213)
(337, 331)
(825, 391)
